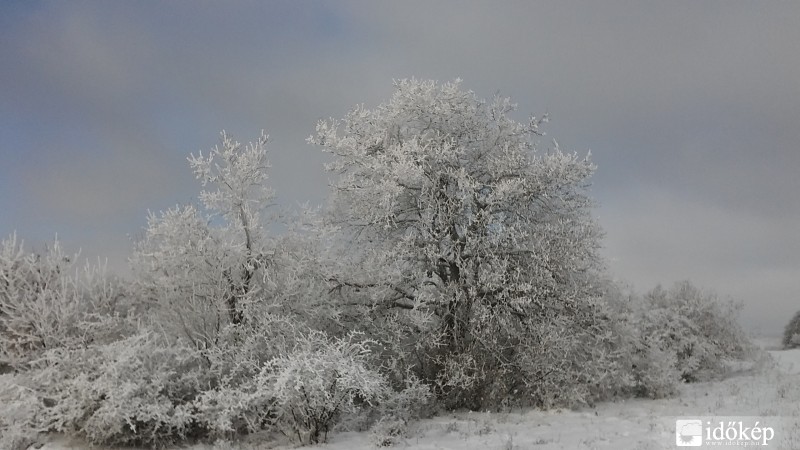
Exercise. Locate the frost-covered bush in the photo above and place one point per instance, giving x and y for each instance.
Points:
(152, 389)
(48, 302)
(398, 408)
(232, 409)
(135, 391)
(410, 401)
(700, 330)
(655, 371)
(648, 370)
(552, 363)
(671, 336)
(178, 268)
(319, 382)
(791, 334)
(19, 427)
(676, 335)
(240, 402)
(388, 431)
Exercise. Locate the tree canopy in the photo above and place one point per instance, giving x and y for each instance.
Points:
(454, 213)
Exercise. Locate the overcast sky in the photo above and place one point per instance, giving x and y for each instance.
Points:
(691, 110)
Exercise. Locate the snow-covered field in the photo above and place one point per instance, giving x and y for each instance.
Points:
(768, 391)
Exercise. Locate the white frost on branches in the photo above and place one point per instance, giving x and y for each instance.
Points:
(456, 213)
(203, 275)
(239, 175)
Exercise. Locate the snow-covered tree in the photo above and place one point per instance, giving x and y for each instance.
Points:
(481, 246)
(201, 266)
(210, 267)
(791, 334)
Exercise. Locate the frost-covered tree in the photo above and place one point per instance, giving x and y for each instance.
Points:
(467, 240)
(201, 266)
(213, 266)
(791, 334)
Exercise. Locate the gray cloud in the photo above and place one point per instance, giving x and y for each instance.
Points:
(658, 236)
(688, 108)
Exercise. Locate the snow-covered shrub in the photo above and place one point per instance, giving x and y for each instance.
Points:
(398, 408)
(791, 334)
(48, 302)
(388, 431)
(135, 391)
(298, 381)
(319, 382)
(152, 389)
(232, 409)
(563, 360)
(655, 371)
(39, 304)
(411, 401)
(295, 283)
(700, 330)
(676, 335)
(19, 426)
(646, 369)
(671, 336)
(240, 402)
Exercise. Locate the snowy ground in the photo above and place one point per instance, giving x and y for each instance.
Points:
(769, 391)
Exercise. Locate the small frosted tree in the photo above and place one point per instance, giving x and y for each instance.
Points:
(476, 248)
(212, 268)
(239, 194)
(202, 267)
(791, 334)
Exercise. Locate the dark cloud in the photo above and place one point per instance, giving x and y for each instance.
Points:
(689, 109)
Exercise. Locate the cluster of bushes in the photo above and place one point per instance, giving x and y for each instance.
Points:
(677, 335)
(456, 268)
(145, 386)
